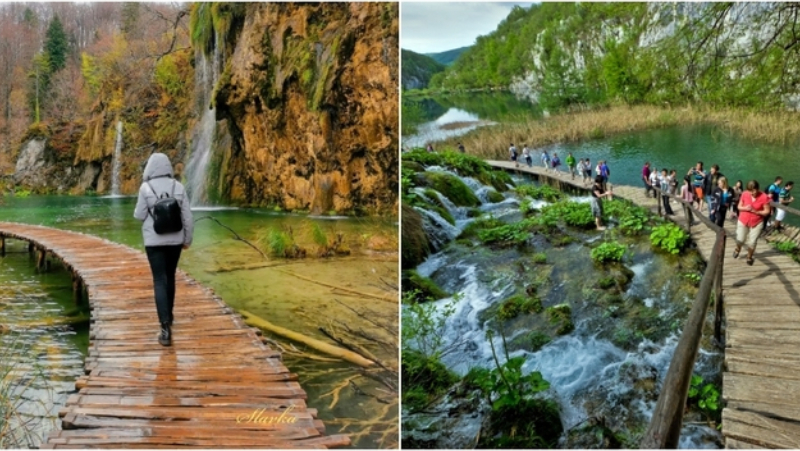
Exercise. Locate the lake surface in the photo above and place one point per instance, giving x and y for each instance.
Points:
(269, 288)
(678, 147)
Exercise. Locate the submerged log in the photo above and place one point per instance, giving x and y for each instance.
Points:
(352, 357)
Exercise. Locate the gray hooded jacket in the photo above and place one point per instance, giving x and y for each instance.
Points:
(159, 173)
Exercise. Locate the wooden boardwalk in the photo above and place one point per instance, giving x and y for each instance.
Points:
(761, 377)
(217, 386)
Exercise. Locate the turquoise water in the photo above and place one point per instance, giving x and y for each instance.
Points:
(270, 288)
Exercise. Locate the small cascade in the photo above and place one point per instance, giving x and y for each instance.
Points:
(206, 77)
(438, 230)
(116, 163)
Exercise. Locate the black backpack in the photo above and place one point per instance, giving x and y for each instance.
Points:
(166, 212)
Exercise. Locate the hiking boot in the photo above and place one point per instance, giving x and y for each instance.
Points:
(165, 336)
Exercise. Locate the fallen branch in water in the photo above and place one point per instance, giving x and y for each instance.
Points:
(352, 357)
(335, 287)
(236, 236)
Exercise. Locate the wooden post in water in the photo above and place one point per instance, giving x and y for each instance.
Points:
(2, 245)
(77, 289)
(41, 258)
(30, 248)
(718, 293)
(658, 200)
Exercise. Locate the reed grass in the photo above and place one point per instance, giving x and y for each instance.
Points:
(492, 142)
(19, 429)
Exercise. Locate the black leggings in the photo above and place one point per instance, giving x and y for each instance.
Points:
(163, 263)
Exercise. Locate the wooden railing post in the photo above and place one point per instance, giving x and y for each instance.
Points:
(659, 200)
(718, 307)
(665, 426)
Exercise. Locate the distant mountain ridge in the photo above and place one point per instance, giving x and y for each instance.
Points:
(447, 57)
(417, 69)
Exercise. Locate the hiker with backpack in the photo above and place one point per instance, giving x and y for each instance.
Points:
(167, 228)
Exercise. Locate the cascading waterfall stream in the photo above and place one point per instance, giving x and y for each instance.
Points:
(590, 373)
(115, 166)
(206, 78)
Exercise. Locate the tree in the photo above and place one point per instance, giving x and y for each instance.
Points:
(40, 80)
(56, 45)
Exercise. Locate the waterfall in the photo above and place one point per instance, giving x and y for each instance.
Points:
(115, 164)
(206, 77)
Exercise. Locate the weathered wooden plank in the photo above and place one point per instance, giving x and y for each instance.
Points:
(138, 394)
(760, 430)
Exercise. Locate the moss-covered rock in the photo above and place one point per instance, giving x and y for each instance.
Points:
(515, 305)
(495, 197)
(415, 245)
(427, 289)
(561, 315)
(449, 186)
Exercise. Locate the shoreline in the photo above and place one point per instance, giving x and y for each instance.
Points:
(491, 141)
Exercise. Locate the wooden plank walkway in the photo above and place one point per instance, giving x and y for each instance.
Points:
(761, 378)
(217, 386)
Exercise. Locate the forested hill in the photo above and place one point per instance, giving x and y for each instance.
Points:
(731, 54)
(447, 57)
(417, 69)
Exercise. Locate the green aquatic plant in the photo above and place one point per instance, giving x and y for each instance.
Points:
(542, 192)
(561, 315)
(610, 251)
(669, 237)
(706, 396)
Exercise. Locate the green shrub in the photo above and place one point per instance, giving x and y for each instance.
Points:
(669, 237)
(423, 378)
(608, 252)
(508, 234)
(788, 247)
(575, 214)
(543, 192)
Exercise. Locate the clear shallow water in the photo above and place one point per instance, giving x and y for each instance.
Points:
(266, 287)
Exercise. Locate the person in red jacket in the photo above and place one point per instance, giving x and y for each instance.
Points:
(754, 209)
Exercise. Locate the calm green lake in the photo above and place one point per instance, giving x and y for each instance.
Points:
(241, 276)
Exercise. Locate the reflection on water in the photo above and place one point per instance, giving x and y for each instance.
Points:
(455, 122)
(301, 295)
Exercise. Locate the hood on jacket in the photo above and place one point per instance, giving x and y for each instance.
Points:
(158, 166)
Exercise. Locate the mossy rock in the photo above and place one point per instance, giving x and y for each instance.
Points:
(495, 197)
(539, 258)
(561, 315)
(415, 244)
(531, 342)
(515, 305)
(450, 186)
(423, 375)
(413, 165)
(427, 288)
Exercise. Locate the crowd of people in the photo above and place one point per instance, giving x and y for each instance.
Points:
(581, 168)
(711, 190)
(707, 190)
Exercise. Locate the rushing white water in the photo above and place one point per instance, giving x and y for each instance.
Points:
(116, 163)
(206, 77)
(589, 374)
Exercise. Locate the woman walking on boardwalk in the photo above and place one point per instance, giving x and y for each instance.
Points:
(738, 188)
(687, 195)
(721, 200)
(163, 247)
(754, 209)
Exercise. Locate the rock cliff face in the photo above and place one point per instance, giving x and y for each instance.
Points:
(309, 93)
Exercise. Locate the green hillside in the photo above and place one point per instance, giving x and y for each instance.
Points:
(726, 54)
(417, 69)
(448, 57)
